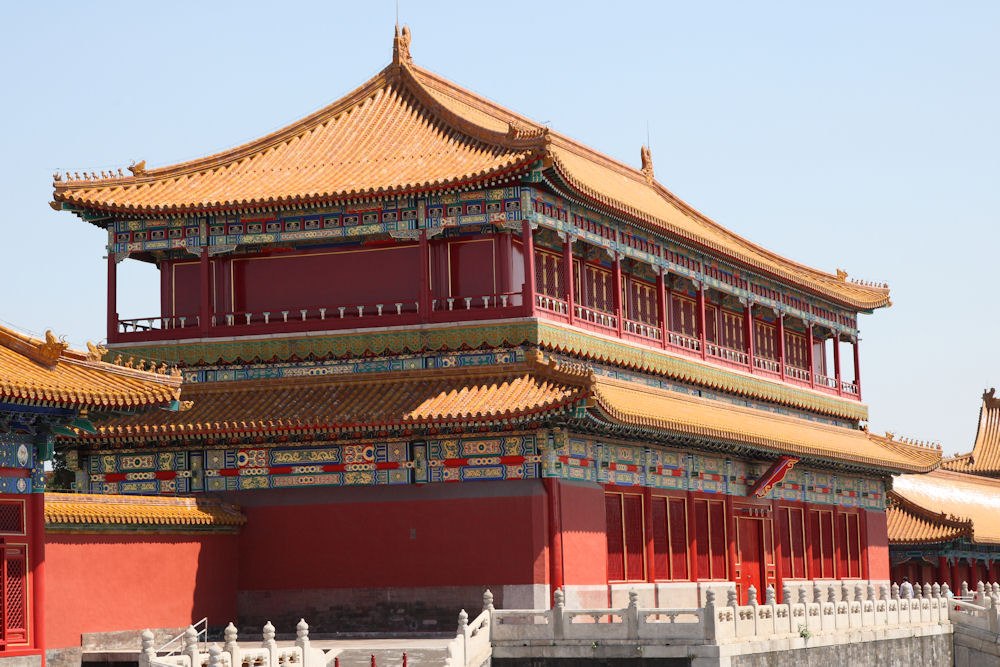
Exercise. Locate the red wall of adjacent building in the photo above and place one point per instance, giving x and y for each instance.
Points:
(104, 583)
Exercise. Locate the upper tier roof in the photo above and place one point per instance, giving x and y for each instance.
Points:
(984, 459)
(961, 497)
(48, 373)
(408, 130)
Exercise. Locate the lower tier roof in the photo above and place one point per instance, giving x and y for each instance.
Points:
(85, 511)
(947, 499)
(538, 391)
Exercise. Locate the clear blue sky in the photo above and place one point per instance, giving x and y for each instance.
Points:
(858, 135)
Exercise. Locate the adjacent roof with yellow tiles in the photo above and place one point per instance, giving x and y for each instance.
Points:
(96, 511)
(535, 390)
(984, 459)
(47, 372)
(911, 524)
(408, 130)
(963, 497)
(677, 413)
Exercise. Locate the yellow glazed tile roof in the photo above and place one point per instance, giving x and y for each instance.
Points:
(538, 387)
(324, 403)
(674, 412)
(963, 497)
(70, 510)
(48, 372)
(910, 524)
(984, 459)
(407, 130)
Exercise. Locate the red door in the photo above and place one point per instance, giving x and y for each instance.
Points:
(751, 558)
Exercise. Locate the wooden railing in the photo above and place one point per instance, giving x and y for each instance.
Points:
(684, 342)
(727, 354)
(642, 329)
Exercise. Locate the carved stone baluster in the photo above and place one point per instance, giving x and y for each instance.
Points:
(928, 590)
(980, 591)
(883, 592)
(231, 646)
(945, 591)
(803, 599)
(769, 594)
(731, 600)
(817, 592)
(302, 636)
(964, 590)
(936, 591)
(488, 600)
(858, 593)
(831, 593)
(557, 613)
(190, 646)
(752, 595)
(632, 615)
(148, 652)
(214, 655)
(786, 594)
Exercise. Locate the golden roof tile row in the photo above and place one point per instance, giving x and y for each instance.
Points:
(48, 372)
(75, 510)
(911, 524)
(682, 414)
(409, 130)
(515, 393)
(962, 497)
(984, 459)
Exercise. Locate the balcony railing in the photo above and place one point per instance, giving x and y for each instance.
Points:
(642, 330)
(337, 316)
(768, 365)
(727, 354)
(598, 317)
(684, 342)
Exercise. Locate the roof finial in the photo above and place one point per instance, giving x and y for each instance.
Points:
(647, 163)
(401, 47)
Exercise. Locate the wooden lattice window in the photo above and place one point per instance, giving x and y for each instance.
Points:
(15, 594)
(12, 517)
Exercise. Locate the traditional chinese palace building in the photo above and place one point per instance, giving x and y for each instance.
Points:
(945, 526)
(46, 390)
(434, 346)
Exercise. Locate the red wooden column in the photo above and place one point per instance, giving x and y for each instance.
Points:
(37, 566)
(616, 285)
(809, 352)
(662, 307)
(781, 345)
(424, 298)
(528, 248)
(857, 367)
(204, 312)
(701, 319)
(836, 361)
(568, 276)
(112, 298)
(748, 325)
(504, 261)
(992, 571)
(942, 570)
(956, 578)
(555, 537)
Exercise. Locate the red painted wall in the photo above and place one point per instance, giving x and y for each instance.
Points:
(584, 525)
(409, 542)
(878, 545)
(103, 583)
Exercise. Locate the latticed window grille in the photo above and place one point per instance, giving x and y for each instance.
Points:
(12, 517)
(15, 595)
